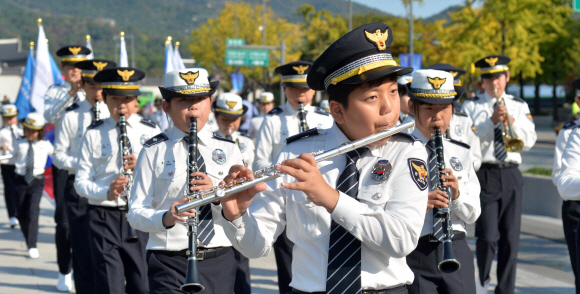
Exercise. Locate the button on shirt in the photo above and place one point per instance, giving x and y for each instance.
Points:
(42, 150)
(160, 178)
(466, 208)
(8, 136)
(57, 99)
(245, 144)
(461, 129)
(480, 110)
(568, 182)
(100, 159)
(387, 217)
(276, 128)
(559, 149)
(70, 131)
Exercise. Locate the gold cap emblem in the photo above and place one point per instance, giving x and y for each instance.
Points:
(74, 50)
(300, 69)
(189, 77)
(436, 82)
(10, 109)
(100, 65)
(231, 104)
(409, 80)
(378, 38)
(32, 121)
(491, 61)
(125, 74)
(453, 73)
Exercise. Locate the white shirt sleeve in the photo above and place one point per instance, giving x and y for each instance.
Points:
(62, 144)
(560, 145)
(264, 145)
(467, 206)
(569, 181)
(85, 174)
(524, 128)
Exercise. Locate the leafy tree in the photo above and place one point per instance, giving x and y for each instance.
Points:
(321, 28)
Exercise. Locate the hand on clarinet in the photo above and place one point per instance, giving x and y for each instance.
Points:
(170, 218)
(116, 187)
(450, 181)
(236, 205)
(201, 182)
(129, 161)
(437, 199)
(310, 181)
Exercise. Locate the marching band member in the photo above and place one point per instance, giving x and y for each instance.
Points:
(352, 218)
(431, 110)
(160, 179)
(265, 105)
(404, 97)
(8, 135)
(118, 266)
(498, 227)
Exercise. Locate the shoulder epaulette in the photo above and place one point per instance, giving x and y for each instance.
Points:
(311, 132)
(148, 122)
(410, 136)
(72, 107)
(245, 135)
(223, 139)
(518, 99)
(473, 98)
(156, 140)
(95, 124)
(53, 85)
(276, 110)
(321, 111)
(459, 112)
(460, 143)
(569, 125)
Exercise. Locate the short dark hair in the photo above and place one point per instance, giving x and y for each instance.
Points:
(416, 105)
(402, 90)
(241, 122)
(341, 92)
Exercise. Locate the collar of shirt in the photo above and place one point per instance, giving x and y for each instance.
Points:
(85, 105)
(420, 136)
(204, 136)
(291, 111)
(234, 135)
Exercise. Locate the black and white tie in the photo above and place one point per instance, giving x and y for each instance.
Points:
(344, 252)
(29, 175)
(498, 147)
(433, 182)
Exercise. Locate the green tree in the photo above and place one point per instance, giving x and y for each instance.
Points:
(321, 28)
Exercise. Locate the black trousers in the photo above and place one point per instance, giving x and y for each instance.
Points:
(8, 174)
(423, 262)
(283, 252)
(61, 235)
(167, 272)
(498, 227)
(28, 207)
(570, 217)
(115, 261)
(76, 211)
(243, 283)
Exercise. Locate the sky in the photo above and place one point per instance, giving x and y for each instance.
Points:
(425, 9)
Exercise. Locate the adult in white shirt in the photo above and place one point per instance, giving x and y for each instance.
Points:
(265, 105)
(8, 135)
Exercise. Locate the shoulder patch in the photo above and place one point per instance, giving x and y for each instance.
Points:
(321, 111)
(72, 107)
(245, 135)
(95, 124)
(311, 132)
(569, 125)
(418, 171)
(276, 110)
(460, 143)
(410, 136)
(156, 140)
(223, 139)
(518, 99)
(148, 122)
(473, 98)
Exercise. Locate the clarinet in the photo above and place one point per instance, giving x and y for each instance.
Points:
(448, 264)
(124, 148)
(199, 198)
(192, 283)
(302, 117)
(97, 111)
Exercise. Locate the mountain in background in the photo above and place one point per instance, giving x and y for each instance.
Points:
(442, 15)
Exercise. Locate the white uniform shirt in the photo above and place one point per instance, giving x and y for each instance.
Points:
(211, 124)
(480, 109)
(99, 160)
(568, 182)
(162, 120)
(245, 144)
(160, 179)
(461, 129)
(563, 135)
(57, 99)
(8, 135)
(255, 124)
(70, 131)
(388, 219)
(283, 122)
(42, 150)
(409, 118)
(466, 208)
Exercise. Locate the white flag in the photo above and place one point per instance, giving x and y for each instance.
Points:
(90, 46)
(42, 78)
(123, 60)
(168, 57)
(177, 61)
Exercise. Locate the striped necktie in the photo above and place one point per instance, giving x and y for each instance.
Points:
(434, 177)
(498, 147)
(344, 251)
(29, 175)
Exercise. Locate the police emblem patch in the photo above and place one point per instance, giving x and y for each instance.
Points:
(218, 156)
(458, 130)
(418, 170)
(381, 171)
(456, 164)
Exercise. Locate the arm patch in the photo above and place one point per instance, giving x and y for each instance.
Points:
(311, 132)
(419, 174)
(156, 140)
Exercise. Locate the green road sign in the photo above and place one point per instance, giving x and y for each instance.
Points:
(247, 57)
(576, 5)
(235, 42)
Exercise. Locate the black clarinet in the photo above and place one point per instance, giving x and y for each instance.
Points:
(124, 148)
(192, 283)
(302, 117)
(448, 264)
(96, 114)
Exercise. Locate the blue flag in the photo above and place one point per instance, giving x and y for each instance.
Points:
(23, 100)
(56, 75)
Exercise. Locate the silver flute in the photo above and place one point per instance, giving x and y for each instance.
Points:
(208, 196)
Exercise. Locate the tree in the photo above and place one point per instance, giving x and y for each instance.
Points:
(321, 29)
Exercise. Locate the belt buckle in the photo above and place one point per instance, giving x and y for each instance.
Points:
(200, 255)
